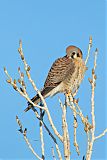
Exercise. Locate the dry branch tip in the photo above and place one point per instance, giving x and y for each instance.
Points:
(90, 40)
(90, 80)
(5, 69)
(18, 69)
(25, 131)
(20, 125)
(28, 68)
(14, 81)
(8, 80)
(19, 81)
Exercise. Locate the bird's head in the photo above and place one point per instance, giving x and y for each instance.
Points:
(73, 52)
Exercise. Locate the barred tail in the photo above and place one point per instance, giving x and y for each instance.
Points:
(36, 99)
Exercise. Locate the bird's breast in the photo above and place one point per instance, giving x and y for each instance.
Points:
(73, 80)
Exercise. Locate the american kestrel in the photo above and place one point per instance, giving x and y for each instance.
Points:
(64, 76)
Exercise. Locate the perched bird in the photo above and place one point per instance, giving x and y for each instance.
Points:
(64, 76)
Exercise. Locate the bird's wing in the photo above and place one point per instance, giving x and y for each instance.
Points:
(58, 72)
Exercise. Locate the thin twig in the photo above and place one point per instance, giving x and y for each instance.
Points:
(101, 135)
(21, 93)
(75, 134)
(53, 154)
(92, 131)
(87, 125)
(58, 151)
(50, 134)
(27, 69)
(89, 48)
(26, 139)
(41, 136)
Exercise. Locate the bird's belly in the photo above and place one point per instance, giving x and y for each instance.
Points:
(59, 88)
(72, 82)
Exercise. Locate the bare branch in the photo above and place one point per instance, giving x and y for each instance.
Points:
(75, 134)
(89, 47)
(27, 69)
(21, 93)
(53, 154)
(49, 132)
(89, 151)
(26, 139)
(41, 135)
(101, 135)
(87, 125)
(66, 140)
(58, 151)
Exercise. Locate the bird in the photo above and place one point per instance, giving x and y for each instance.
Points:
(64, 76)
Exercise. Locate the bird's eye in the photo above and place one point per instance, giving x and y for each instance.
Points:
(73, 53)
(78, 55)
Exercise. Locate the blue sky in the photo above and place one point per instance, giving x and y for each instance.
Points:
(46, 29)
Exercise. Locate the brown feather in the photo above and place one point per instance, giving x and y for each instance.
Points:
(58, 71)
(36, 99)
(62, 70)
